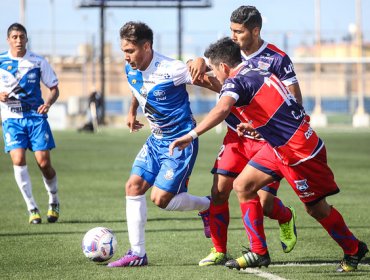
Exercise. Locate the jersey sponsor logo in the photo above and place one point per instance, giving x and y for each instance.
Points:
(306, 194)
(31, 78)
(160, 95)
(301, 185)
(227, 85)
(308, 133)
(159, 92)
(157, 132)
(169, 174)
(299, 115)
(246, 70)
(289, 69)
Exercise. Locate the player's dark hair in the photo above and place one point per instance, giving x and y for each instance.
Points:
(17, 27)
(224, 50)
(249, 16)
(136, 33)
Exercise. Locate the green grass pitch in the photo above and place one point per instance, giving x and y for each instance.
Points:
(92, 170)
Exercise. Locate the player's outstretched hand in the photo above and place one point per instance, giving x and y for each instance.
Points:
(180, 143)
(197, 68)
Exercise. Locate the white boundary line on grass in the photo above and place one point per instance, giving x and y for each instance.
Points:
(262, 274)
(270, 276)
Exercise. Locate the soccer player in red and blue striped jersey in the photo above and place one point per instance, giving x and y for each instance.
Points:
(235, 152)
(295, 152)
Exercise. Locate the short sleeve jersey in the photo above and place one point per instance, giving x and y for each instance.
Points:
(269, 58)
(263, 101)
(21, 77)
(161, 93)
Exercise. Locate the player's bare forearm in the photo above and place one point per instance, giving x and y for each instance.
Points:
(214, 117)
(209, 82)
(296, 91)
(50, 100)
(133, 124)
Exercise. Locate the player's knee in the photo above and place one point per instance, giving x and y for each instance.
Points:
(133, 189)
(220, 197)
(44, 165)
(319, 210)
(160, 201)
(241, 186)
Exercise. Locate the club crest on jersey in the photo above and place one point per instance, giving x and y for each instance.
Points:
(301, 185)
(169, 174)
(263, 65)
(144, 92)
(9, 67)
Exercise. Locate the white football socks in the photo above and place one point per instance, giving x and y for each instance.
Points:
(52, 188)
(187, 202)
(22, 177)
(136, 217)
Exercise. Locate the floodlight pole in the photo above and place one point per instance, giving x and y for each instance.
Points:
(360, 118)
(179, 31)
(318, 118)
(102, 63)
(22, 12)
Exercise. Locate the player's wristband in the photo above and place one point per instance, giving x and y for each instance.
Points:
(193, 134)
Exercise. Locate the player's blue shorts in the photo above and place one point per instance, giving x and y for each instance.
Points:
(27, 133)
(169, 173)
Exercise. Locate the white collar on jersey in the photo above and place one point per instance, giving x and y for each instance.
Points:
(247, 57)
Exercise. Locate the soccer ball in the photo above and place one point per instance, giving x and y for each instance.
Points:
(99, 244)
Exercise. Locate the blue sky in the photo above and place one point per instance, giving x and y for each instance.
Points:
(72, 26)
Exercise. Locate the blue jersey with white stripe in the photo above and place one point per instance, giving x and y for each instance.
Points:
(21, 77)
(161, 93)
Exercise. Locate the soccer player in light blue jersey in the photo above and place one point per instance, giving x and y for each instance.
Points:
(24, 117)
(158, 84)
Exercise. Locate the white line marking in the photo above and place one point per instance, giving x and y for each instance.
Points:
(310, 264)
(270, 276)
(262, 274)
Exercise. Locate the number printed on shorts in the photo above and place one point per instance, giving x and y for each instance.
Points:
(142, 154)
(222, 149)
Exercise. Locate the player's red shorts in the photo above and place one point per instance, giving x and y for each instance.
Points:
(312, 180)
(234, 155)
